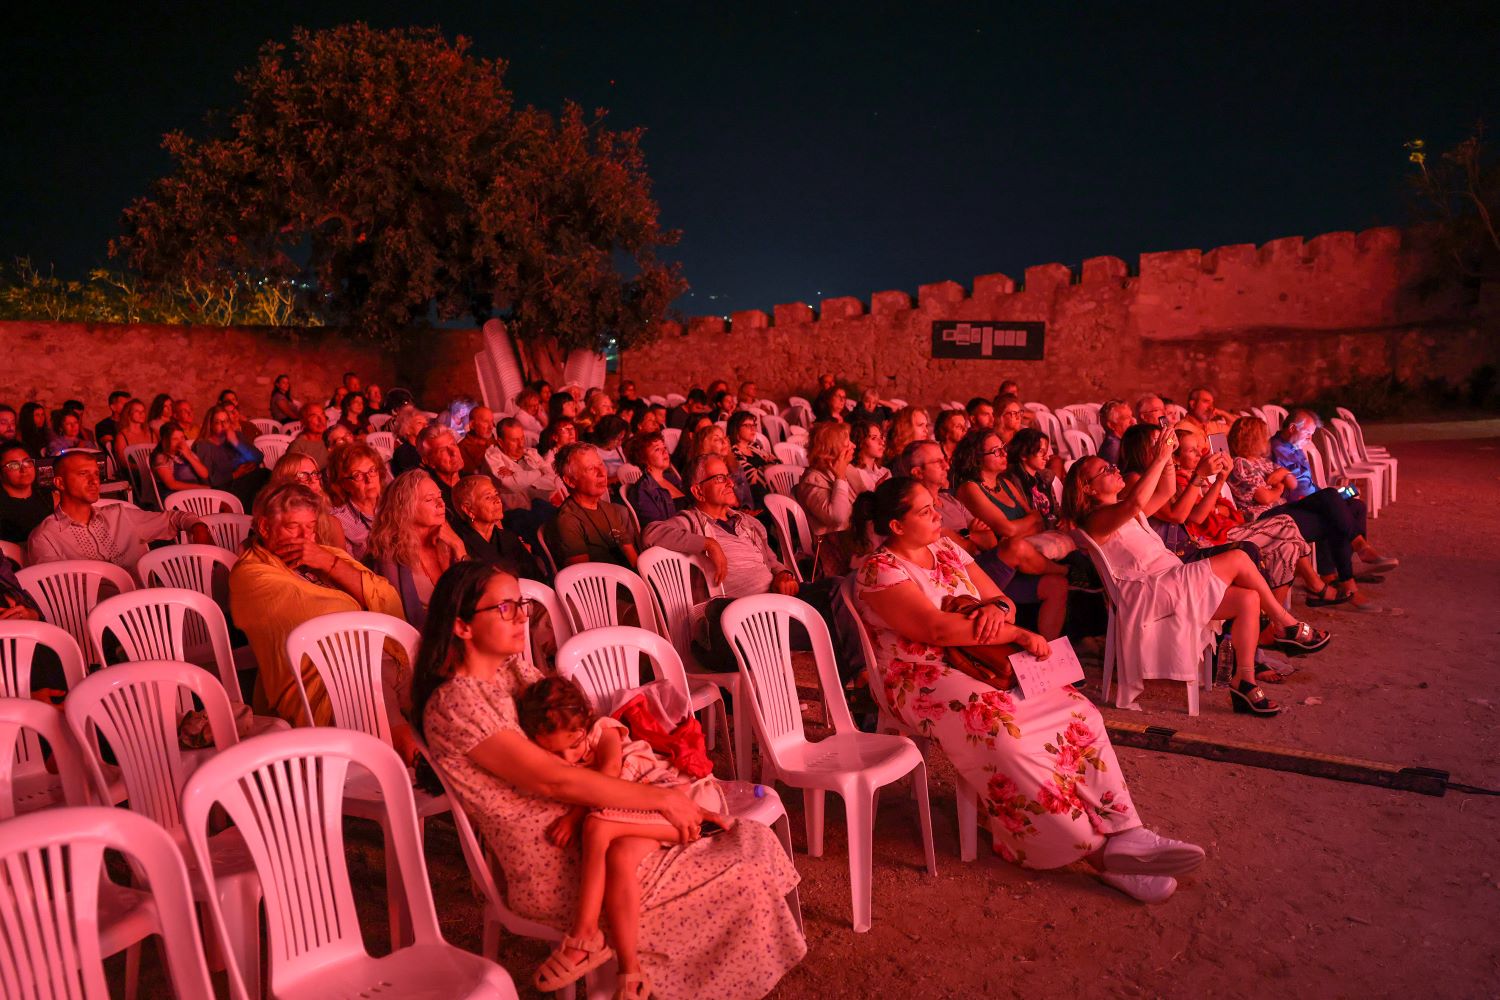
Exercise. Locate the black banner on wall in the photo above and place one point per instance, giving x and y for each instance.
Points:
(986, 340)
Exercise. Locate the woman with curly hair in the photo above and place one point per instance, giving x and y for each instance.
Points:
(411, 544)
(910, 423)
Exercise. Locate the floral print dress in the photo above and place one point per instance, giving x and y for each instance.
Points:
(1049, 785)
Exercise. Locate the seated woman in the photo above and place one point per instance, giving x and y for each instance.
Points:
(233, 464)
(411, 544)
(356, 477)
(1051, 789)
(713, 917)
(950, 429)
(284, 578)
(283, 408)
(562, 406)
(23, 504)
(831, 404)
(866, 470)
(354, 414)
(1211, 521)
(406, 425)
(67, 433)
(173, 462)
(36, 433)
(682, 455)
(1180, 598)
(710, 439)
(659, 493)
(1259, 489)
(742, 430)
(480, 511)
(295, 467)
(910, 423)
(556, 435)
(159, 412)
(825, 493)
(608, 435)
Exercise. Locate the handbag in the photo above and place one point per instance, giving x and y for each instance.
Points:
(989, 664)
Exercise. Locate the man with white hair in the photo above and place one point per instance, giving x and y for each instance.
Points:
(1150, 409)
(1116, 418)
(588, 528)
(442, 460)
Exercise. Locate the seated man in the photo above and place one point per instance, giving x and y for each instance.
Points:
(1116, 418)
(310, 441)
(529, 412)
(749, 395)
(117, 533)
(441, 460)
(106, 429)
(285, 578)
(1201, 411)
(695, 403)
(8, 431)
(480, 439)
(588, 528)
(981, 413)
(529, 486)
(182, 415)
(737, 546)
(1150, 409)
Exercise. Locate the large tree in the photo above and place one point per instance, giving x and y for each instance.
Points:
(391, 176)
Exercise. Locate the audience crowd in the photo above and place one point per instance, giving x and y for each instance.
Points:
(967, 530)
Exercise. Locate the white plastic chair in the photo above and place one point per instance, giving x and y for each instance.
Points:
(272, 447)
(346, 650)
(774, 428)
(798, 412)
(497, 915)
(291, 428)
(204, 501)
(378, 421)
(1370, 478)
(383, 442)
(174, 623)
(191, 567)
(1121, 638)
(66, 591)
(63, 914)
(590, 592)
(545, 551)
(13, 552)
(264, 425)
(136, 707)
(628, 474)
(670, 437)
(287, 793)
(675, 399)
(790, 454)
(547, 598)
(1274, 416)
(229, 531)
(1078, 443)
(783, 479)
(850, 763)
(138, 462)
(606, 664)
(793, 532)
(1367, 453)
(966, 797)
(25, 783)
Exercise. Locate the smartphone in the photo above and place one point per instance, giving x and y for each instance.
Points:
(1162, 421)
(1348, 492)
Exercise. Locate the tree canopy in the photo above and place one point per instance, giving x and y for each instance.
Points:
(390, 177)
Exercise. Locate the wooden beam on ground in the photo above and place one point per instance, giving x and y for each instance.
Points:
(1425, 780)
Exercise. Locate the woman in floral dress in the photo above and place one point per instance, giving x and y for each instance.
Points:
(713, 914)
(1050, 788)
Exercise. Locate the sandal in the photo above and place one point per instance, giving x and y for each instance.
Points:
(1320, 600)
(632, 986)
(559, 971)
(1301, 639)
(1246, 697)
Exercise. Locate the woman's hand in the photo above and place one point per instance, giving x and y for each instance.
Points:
(841, 464)
(1034, 644)
(1166, 446)
(988, 621)
(684, 814)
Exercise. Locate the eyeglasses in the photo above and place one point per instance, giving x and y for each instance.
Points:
(722, 477)
(362, 477)
(1109, 468)
(19, 464)
(306, 478)
(510, 611)
(992, 452)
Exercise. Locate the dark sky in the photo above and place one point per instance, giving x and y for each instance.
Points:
(818, 150)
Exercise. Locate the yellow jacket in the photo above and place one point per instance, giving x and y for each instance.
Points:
(268, 599)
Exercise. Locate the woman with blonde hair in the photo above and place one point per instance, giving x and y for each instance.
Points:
(827, 495)
(356, 476)
(910, 423)
(411, 544)
(297, 467)
(710, 439)
(406, 425)
(132, 430)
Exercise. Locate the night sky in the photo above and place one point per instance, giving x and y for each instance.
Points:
(820, 150)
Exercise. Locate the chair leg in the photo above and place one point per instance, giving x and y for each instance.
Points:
(133, 971)
(968, 821)
(710, 727)
(812, 804)
(741, 732)
(783, 828)
(858, 807)
(239, 901)
(490, 943)
(1109, 655)
(924, 815)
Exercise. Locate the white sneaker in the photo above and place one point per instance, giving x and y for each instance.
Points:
(1143, 888)
(1141, 852)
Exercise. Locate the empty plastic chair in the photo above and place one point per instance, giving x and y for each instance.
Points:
(137, 709)
(1370, 453)
(793, 532)
(64, 916)
(229, 531)
(204, 501)
(286, 793)
(204, 568)
(263, 425)
(850, 763)
(546, 599)
(26, 785)
(788, 453)
(272, 447)
(67, 591)
(590, 593)
(783, 479)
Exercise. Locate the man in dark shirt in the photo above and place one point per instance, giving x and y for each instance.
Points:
(696, 403)
(106, 429)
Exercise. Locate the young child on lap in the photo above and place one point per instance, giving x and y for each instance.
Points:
(556, 715)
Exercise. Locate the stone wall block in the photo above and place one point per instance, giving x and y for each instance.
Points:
(1105, 271)
(885, 303)
(940, 295)
(748, 319)
(792, 313)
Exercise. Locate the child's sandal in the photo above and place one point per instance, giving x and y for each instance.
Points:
(632, 986)
(559, 971)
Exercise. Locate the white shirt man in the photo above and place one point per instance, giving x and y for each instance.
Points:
(521, 474)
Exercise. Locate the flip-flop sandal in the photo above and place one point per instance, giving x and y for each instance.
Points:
(1319, 601)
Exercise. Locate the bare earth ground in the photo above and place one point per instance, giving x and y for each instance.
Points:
(1312, 887)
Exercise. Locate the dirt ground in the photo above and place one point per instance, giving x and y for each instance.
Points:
(1312, 887)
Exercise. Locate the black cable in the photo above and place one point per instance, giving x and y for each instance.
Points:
(1459, 786)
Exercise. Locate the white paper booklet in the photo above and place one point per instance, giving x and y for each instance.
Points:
(1037, 677)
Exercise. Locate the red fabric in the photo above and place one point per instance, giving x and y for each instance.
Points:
(683, 747)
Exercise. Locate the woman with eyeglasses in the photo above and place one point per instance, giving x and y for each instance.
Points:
(743, 429)
(713, 914)
(23, 504)
(356, 476)
(298, 467)
(1168, 604)
(284, 578)
(411, 544)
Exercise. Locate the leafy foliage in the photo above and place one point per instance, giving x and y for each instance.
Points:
(1458, 193)
(388, 176)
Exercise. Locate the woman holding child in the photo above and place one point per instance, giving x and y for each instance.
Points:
(712, 921)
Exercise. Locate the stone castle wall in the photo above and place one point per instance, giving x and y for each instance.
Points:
(1280, 321)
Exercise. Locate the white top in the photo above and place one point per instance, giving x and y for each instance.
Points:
(531, 477)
